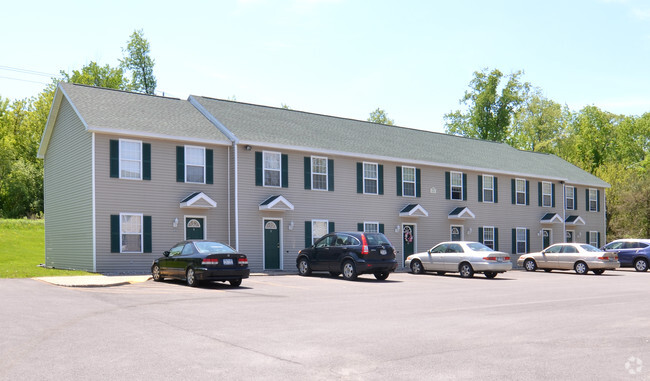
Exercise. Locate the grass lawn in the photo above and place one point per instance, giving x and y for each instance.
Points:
(22, 249)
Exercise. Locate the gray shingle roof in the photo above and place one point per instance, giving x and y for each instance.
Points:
(268, 125)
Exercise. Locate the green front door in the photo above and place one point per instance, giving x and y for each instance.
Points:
(272, 244)
(546, 238)
(408, 238)
(194, 228)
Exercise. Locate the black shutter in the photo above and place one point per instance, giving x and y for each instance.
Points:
(587, 201)
(360, 226)
(447, 185)
(259, 169)
(464, 186)
(381, 228)
(496, 190)
(598, 201)
(285, 170)
(115, 233)
(527, 240)
(115, 158)
(330, 175)
(331, 227)
(146, 229)
(480, 235)
(380, 182)
(146, 161)
(514, 191)
(496, 238)
(480, 188)
(553, 195)
(514, 241)
(359, 177)
(307, 172)
(180, 164)
(527, 192)
(398, 181)
(308, 234)
(418, 182)
(539, 193)
(598, 239)
(209, 166)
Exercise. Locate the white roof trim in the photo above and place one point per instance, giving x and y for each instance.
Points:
(577, 221)
(556, 219)
(415, 211)
(276, 203)
(198, 200)
(463, 214)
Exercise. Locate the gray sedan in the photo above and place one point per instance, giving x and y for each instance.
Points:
(461, 257)
(579, 257)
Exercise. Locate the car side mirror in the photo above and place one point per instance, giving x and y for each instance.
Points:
(166, 253)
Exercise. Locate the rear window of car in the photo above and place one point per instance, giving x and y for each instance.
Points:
(377, 239)
(213, 247)
(475, 246)
(589, 248)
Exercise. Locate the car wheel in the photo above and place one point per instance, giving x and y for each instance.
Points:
(190, 278)
(335, 274)
(466, 270)
(441, 273)
(303, 267)
(416, 267)
(490, 274)
(599, 272)
(349, 270)
(548, 270)
(641, 265)
(530, 265)
(235, 282)
(155, 274)
(382, 275)
(581, 268)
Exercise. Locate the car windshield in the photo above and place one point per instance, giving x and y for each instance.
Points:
(213, 247)
(589, 248)
(475, 246)
(377, 239)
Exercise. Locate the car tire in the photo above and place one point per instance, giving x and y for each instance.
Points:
(303, 267)
(641, 265)
(190, 278)
(490, 274)
(335, 274)
(349, 270)
(441, 273)
(416, 267)
(581, 268)
(155, 274)
(598, 272)
(530, 265)
(465, 270)
(235, 282)
(548, 270)
(382, 275)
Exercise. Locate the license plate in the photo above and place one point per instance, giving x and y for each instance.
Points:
(382, 252)
(499, 259)
(228, 261)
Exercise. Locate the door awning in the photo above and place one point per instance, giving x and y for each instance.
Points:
(575, 220)
(551, 218)
(198, 200)
(461, 213)
(276, 203)
(413, 210)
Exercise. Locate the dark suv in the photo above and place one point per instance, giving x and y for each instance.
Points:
(350, 254)
(631, 252)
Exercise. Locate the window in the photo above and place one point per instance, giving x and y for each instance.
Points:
(195, 164)
(521, 240)
(130, 233)
(371, 227)
(593, 200)
(521, 191)
(570, 197)
(456, 233)
(272, 169)
(456, 186)
(130, 159)
(319, 228)
(408, 181)
(547, 192)
(488, 236)
(488, 188)
(594, 239)
(370, 178)
(318, 173)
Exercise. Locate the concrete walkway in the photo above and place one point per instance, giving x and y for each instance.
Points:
(94, 280)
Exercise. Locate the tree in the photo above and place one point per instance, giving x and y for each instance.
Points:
(380, 116)
(100, 76)
(539, 125)
(489, 114)
(139, 63)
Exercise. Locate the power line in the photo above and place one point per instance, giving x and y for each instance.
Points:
(27, 71)
(24, 80)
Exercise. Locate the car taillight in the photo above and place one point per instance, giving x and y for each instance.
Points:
(210, 261)
(364, 245)
(242, 261)
(506, 258)
(608, 258)
(490, 258)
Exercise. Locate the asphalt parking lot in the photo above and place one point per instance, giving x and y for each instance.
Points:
(517, 326)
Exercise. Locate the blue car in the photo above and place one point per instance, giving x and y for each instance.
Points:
(631, 252)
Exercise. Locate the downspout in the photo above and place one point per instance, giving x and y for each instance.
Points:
(564, 210)
(94, 217)
(604, 218)
(236, 163)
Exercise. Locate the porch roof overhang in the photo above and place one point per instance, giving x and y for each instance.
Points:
(551, 218)
(461, 213)
(413, 210)
(575, 220)
(277, 203)
(198, 200)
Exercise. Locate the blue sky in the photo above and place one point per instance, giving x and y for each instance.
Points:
(345, 58)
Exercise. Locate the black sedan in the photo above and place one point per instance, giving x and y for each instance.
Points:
(196, 261)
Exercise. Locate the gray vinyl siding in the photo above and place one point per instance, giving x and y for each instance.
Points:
(68, 194)
(159, 198)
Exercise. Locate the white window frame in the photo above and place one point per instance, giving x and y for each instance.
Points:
(571, 197)
(367, 224)
(518, 191)
(593, 198)
(485, 231)
(452, 186)
(547, 193)
(460, 228)
(518, 240)
(141, 234)
(187, 164)
(593, 238)
(375, 179)
(404, 181)
(265, 169)
(489, 189)
(314, 237)
(314, 173)
(139, 161)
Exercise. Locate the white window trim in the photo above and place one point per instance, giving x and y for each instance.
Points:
(550, 194)
(141, 233)
(462, 232)
(327, 226)
(370, 223)
(194, 165)
(451, 185)
(594, 235)
(517, 192)
(414, 182)
(488, 189)
(595, 200)
(485, 228)
(264, 169)
(314, 173)
(370, 178)
(517, 240)
(572, 198)
(121, 158)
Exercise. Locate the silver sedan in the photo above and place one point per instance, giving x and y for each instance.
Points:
(579, 257)
(461, 257)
